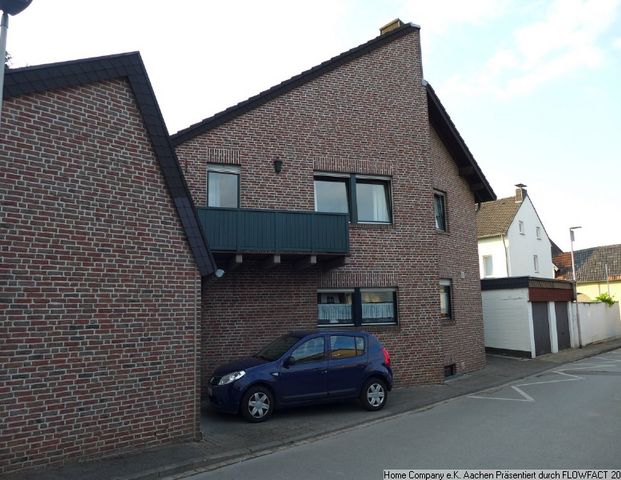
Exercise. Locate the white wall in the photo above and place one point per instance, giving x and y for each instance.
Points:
(523, 247)
(599, 322)
(505, 318)
(494, 247)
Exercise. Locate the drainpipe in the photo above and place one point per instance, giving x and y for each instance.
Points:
(197, 392)
(506, 255)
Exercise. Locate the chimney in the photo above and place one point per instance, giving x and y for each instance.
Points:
(520, 193)
(389, 27)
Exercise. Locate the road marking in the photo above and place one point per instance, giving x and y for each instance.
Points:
(525, 397)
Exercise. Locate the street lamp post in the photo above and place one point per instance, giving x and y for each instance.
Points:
(8, 7)
(573, 271)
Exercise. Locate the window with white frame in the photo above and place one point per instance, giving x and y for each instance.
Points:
(536, 263)
(357, 306)
(365, 198)
(222, 186)
(445, 299)
(488, 265)
(538, 232)
(521, 227)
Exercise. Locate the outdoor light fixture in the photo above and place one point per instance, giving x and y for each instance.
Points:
(278, 165)
(8, 7)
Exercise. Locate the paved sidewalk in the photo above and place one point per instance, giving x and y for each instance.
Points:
(228, 438)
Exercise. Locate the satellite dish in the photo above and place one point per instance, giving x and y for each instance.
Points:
(13, 7)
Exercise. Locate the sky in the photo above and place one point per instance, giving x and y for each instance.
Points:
(533, 86)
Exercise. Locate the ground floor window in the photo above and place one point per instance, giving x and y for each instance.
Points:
(445, 299)
(357, 306)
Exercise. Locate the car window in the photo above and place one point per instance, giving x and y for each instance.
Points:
(309, 351)
(278, 347)
(345, 346)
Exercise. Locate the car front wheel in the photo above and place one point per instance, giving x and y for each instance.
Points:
(257, 404)
(374, 394)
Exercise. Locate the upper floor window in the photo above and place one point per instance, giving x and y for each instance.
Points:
(365, 198)
(521, 227)
(373, 200)
(488, 265)
(222, 186)
(439, 207)
(332, 194)
(536, 263)
(538, 232)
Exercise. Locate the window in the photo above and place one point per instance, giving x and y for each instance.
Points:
(378, 306)
(538, 231)
(488, 265)
(222, 186)
(309, 351)
(445, 299)
(372, 201)
(521, 227)
(345, 346)
(439, 207)
(331, 195)
(536, 263)
(335, 307)
(357, 306)
(365, 198)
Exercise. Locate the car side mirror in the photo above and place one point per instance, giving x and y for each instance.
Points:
(289, 362)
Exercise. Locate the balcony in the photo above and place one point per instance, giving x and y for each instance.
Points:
(275, 233)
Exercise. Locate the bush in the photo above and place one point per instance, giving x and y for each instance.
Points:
(605, 298)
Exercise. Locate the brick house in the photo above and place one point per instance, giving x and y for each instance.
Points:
(342, 197)
(101, 265)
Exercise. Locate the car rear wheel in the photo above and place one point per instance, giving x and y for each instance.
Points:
(257, 404)
(374, 394)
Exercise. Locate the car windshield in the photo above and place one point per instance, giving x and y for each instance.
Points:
(278, 347)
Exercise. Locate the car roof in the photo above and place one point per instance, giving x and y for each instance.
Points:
(304, 333)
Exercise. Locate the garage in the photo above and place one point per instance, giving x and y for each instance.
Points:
(528, 316)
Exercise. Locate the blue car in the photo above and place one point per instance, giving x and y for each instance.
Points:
(302, 368)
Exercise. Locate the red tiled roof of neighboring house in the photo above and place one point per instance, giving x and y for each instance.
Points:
(591, 264)
(494, 218)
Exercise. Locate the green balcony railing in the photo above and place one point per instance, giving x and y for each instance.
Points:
(275, 231)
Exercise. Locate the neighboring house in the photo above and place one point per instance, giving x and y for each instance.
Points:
(598, 270)
(101, 265)
(525, 311)
(344, 198)
(512, 240)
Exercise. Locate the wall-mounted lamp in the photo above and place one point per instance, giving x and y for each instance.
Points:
(278, 165)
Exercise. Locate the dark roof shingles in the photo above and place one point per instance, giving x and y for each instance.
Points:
(591, 264)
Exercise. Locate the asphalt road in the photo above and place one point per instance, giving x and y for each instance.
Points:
(566, 418)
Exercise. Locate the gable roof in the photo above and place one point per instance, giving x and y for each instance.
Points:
(40, 78)
(591, 264)
(469, 169)
(495, 218)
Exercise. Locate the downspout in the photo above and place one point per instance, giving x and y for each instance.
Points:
(504, 244)
(197, 392)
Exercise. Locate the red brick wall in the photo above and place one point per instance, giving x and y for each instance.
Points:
(99, 288)
(462, 336)
(368, 116)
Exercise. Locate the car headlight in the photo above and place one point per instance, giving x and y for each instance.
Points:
(231, 377)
